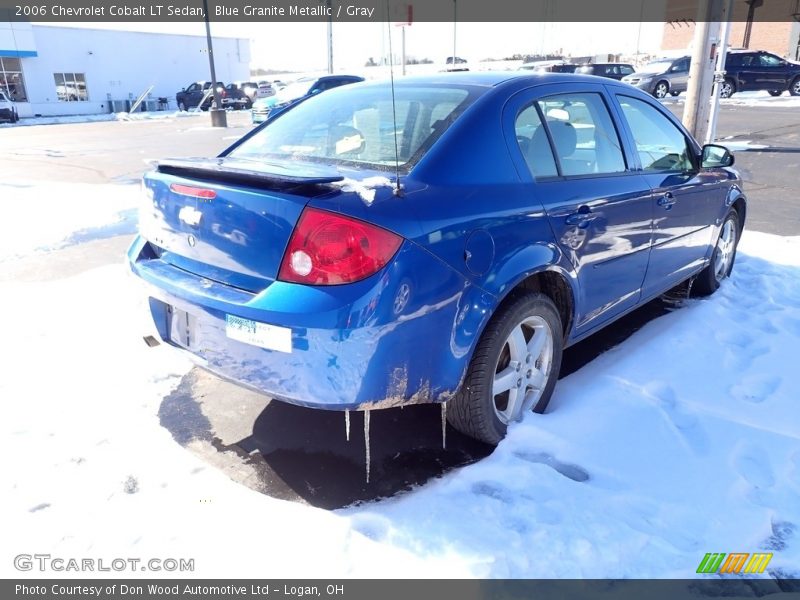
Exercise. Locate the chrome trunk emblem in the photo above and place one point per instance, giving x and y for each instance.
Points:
(191, 216)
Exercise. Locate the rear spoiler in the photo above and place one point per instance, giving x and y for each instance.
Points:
(258, 175)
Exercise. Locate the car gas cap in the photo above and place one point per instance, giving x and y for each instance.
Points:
(479, 251)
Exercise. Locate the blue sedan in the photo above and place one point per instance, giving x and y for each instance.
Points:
(440, 243)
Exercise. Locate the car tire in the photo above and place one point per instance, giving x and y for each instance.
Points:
(528, 365)
(674, 94)
(661, 89)
(727, 89)
(794, 88)
(182, 106)
(722, 259)
(775, 93)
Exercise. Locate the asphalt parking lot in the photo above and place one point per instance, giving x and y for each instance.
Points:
(301, 454)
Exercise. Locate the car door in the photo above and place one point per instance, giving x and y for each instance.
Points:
(748, 71)
(599, 209)
(772, 73)
(686, 200)
(193, 94)
(678, 75)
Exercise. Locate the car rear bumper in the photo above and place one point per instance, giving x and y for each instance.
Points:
(402, 336)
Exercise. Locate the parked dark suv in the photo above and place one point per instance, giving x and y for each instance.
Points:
(750, 70)
(611, 70)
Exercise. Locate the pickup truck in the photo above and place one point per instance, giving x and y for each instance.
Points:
(193, 95)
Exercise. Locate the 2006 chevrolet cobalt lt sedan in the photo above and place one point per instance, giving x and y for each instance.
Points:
(445, 242)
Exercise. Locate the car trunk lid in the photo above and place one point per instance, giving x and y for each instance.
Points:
(228, 220)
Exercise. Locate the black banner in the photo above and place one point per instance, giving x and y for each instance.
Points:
(676, 11)
(250, 589)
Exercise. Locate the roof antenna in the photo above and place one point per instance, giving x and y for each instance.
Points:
(394, 106)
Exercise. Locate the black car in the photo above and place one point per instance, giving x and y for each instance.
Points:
(751, 70)
(611, 70)
(565, 68)
(192, 96)
(240, 94)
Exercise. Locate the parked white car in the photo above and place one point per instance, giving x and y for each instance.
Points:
(265, 89)
(8, 112)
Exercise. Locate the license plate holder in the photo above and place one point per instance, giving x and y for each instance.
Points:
(255, 333)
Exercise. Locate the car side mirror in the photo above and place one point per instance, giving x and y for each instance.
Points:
(715, 156)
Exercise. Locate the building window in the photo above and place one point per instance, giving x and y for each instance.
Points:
(71, 87)
(11, 80)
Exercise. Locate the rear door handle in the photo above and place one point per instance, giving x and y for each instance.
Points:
(581, 218)
(667, 200)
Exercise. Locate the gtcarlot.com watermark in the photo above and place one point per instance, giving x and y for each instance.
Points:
(57, 564)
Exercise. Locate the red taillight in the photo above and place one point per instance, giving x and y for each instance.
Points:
(194, 192)
(329, 249)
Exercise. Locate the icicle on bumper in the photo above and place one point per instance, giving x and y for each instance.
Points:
(366, 440)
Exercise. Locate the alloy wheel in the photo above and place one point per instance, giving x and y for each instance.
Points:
(726, 90)
(726, 247)
(662, 89)
(523, 368)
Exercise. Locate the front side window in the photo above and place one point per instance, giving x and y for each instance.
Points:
(11, 80)
(71, 87)
(680, 66)
(583, 134)
(661, 146)
(357, 125)
(769, 60)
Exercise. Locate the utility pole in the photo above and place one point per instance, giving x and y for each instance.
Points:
(218, 116)
(719, 74)
(455, 20)
(697, 110)
(330, 39)
(403, 46)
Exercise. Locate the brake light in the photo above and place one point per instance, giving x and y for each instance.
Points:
(329, 249)
(194, 192)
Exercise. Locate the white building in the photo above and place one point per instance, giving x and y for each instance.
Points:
(68, 70)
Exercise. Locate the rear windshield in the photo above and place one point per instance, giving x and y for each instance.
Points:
(356, 125)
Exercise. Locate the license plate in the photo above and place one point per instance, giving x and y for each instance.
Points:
(258, 334)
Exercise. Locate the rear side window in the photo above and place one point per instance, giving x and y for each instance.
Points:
(626, 70)
(534, 144)
(583, 134)
(354, 124)
(660, 144)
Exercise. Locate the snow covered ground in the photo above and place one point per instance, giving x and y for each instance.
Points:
(683, 440)
(760, 98)
(41, 215)
(123, 116)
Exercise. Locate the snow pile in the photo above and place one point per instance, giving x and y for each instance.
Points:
(40, 215)
(683, 440)
(365, 188)
(761, 98)
(740, 145)
(123, 116)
